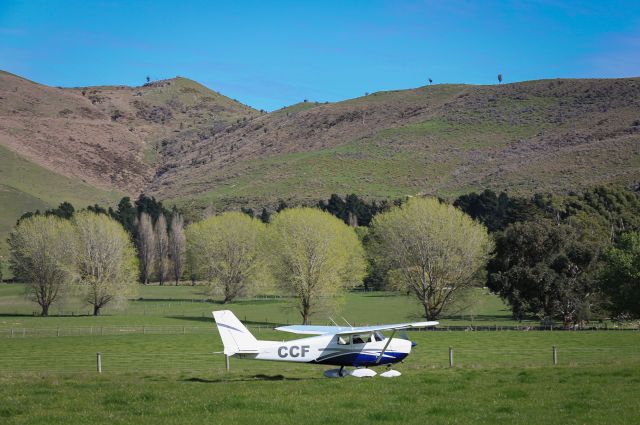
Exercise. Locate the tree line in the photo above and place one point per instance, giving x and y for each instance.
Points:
(568, 258)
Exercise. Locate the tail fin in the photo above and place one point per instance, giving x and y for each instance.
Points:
(236, 338)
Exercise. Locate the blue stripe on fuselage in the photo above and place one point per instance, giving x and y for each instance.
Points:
(363, 359)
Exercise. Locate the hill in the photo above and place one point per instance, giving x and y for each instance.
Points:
(94, 144)
(179, 141)
(444, 139)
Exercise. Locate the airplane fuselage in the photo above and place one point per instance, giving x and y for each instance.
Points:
(327, 349)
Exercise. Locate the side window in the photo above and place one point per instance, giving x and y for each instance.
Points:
(343, 339)
(361, 339)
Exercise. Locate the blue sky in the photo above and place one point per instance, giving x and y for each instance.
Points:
(271, 54)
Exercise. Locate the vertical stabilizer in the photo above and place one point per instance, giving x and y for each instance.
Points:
(236, 338)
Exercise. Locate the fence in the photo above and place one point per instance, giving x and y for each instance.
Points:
(23, 332)
(199, 361)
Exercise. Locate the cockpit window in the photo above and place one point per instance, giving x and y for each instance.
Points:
(378, 336)
(343, 339)
(361, 338)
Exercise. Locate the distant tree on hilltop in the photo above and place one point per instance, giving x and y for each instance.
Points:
(499, 78)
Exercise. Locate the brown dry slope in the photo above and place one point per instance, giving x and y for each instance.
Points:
(445, 139)
(106, 136)
(94, 144)
(185, 143)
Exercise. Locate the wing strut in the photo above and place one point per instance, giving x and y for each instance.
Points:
(385, 346)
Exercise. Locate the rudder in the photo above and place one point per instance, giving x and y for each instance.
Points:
(236, 338)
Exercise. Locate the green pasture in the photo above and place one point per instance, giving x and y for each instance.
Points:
(170, 377)
(499, 377)
(192, 306)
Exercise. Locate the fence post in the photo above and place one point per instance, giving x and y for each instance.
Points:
(58, 332)
(555, 355)
(99, 362)
(24, 332)
(450, 356)
(11, 332)
(226, 360)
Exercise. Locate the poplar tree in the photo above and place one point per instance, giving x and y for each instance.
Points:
(146, 244)
(177, 247)
(162, 248)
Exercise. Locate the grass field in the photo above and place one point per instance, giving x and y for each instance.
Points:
(499, 377)
(171, 305)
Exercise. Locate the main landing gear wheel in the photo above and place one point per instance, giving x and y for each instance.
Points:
(336, 373)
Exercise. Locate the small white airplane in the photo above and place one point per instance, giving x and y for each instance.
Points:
(360, 347)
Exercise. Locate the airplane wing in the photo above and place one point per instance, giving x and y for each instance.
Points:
(344, 330)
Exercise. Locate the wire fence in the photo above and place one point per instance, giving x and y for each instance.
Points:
(70, 361)
(63, 331)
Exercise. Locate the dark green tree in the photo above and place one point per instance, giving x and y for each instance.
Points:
(495, 211)
(546, 270)
(126, 214)
(281, 206)
(621, 277)
(265, 216)
(248, 211)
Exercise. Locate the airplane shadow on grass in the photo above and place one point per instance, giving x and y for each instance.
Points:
(259, 377)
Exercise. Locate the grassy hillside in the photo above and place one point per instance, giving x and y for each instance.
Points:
(552, 135)
(25, 186)
(186, 144)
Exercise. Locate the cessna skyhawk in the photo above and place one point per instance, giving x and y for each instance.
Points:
(360, 347)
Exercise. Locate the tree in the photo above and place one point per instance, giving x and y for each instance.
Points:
(431, 249)
(105, 260)
(544, 269)
(314, 257)
(495, 211)
(620, 278)
(224, 249)
(430, 81)
(64, 210)
(42, 255)
(499, 78)
(148, 78)
(162, 249)
(282, 205)
(248, 211)
(126, 214)
(177, 247)
(146, 244)
(265, 217)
